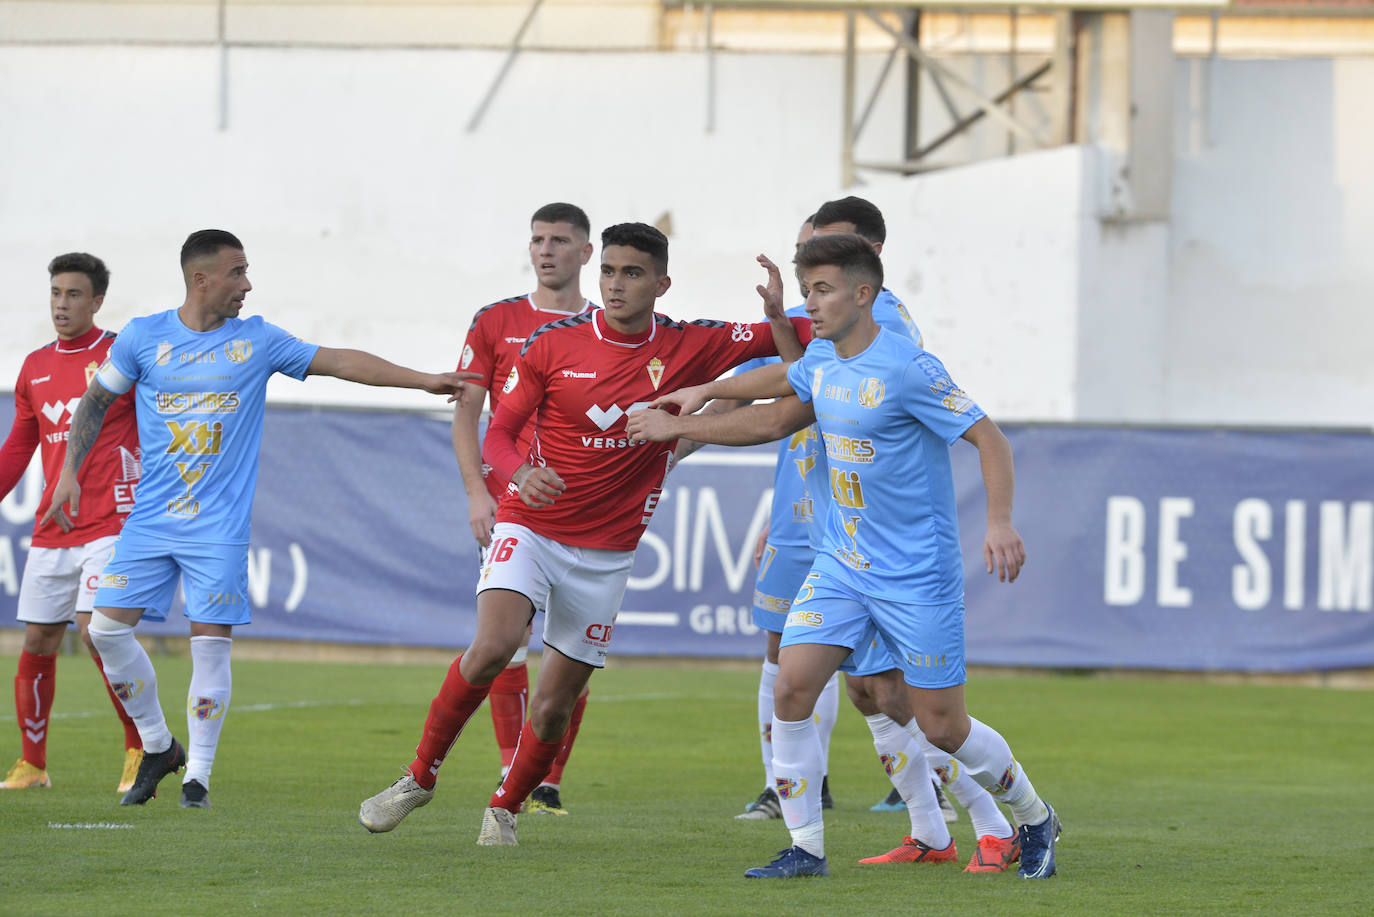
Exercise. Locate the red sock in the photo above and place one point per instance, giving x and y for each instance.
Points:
(131, 739)
(532, 760)
(33, 690)
(555, 776)
(448, 714)
(509, 698)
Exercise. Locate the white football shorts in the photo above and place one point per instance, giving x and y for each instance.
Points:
(578, 589)
(59, 582)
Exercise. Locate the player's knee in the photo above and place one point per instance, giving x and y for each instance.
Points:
(793, 700)
(550, 717)
(105, 632)
(941, 732)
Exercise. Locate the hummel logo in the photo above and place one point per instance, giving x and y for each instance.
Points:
(510, 340)
(40, 379)
(35, 729)
(607, 419)
(574, 374)
(54, 412)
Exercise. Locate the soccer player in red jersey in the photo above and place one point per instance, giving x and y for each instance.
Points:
(582, 496)
(559, 248)
(67, 553)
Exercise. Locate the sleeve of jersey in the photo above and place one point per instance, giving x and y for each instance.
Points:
(519, 398)
(478, 354)
(930, 395)
(740, 343)
(799, 377)
(19, 445)
(288, 354)
(120, 370)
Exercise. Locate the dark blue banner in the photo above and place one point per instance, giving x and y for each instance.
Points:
(1169, 549)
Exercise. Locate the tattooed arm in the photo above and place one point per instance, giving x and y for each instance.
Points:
(86, 424)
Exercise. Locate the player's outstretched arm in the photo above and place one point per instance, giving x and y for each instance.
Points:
(1003, 549)
(468, 450)
(748, 426)
(785, 339)
(765, 382)
(85, 427)
(369, 369)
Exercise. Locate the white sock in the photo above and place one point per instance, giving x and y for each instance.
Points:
(207, 703)
(132, 678)
(766, 679)
(797, 780)
(905, 765)
(982, 808)
(988, 759)
(827, 712)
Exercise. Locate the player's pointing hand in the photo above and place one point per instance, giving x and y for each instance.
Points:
(650, 426)
(687, 400)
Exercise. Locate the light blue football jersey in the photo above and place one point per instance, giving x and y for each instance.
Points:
(800, 477)
(887, 418)
(201, 399)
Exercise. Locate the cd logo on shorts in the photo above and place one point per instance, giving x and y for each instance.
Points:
(511, 382)
(893, 763)
(238, 351)
(871, 392)
(789, 788)
(126, 690)
(204, 708)
(468, 355)
(600, 633)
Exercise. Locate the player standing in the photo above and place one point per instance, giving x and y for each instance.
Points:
(66, 555)
(887, 412)
(202, 374)
(565, 536)
(559, 247)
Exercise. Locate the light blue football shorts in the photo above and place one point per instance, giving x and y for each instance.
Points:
(144, 571)
(781, 571)
(925, 641)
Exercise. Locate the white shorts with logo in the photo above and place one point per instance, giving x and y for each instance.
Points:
(59, 582)
(578, 589)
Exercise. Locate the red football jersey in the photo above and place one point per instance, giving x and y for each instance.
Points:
(582, 378)
(51, 383)
(495, 337)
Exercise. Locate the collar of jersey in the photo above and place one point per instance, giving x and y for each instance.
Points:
(587, 306)
(76, 345)
(608, 334)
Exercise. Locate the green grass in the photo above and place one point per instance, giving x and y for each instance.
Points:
(1177, 798)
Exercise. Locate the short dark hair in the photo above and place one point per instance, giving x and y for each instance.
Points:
(866, 217)
(848, 251)
(205, 242)
(639, 236)
(82, 263)
(560, 212)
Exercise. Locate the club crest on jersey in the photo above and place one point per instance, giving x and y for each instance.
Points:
(871, 392)
(91, 369)
(238, 351)
(511, 382)
(655, 372)
(164, 353)
(467, 358)
(816, 382)
(204, 708)
(892, 764)
(789, 788)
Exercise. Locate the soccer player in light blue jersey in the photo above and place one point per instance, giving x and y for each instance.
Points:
(201, 373)
(890, 567)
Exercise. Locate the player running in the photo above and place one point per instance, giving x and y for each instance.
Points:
(890, 567)
(559, 248)
(582, 496)
(66, 554)
(202, 374)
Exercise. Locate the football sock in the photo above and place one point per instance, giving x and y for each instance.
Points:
(448, 714)
(555, 775)
(797, 777)
(131, 739)
(532, 760)
(906, 767)
(34, 685)
(988, 759)
(827, 712)
(207, 704)
(766, 679)
(132, 678)
(509, 700)
(982, 808)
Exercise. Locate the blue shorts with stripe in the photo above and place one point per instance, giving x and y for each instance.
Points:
(144, 572)
(781, 571)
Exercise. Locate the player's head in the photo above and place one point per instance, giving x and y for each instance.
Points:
(852, 214)
(78, 282)
(559, 244)
(843, 274)
(634, 273)
(216, 271)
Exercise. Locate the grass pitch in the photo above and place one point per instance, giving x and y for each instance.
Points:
(1176, 797)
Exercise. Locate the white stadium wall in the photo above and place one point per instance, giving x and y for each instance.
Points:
(372, 218)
